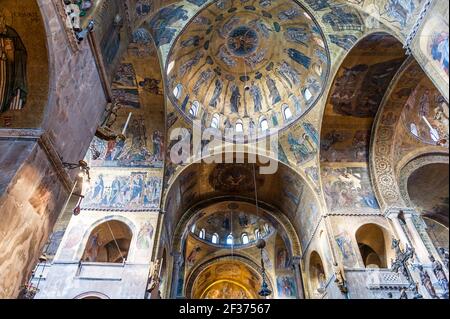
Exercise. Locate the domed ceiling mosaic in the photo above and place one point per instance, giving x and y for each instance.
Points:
(253, 66)
(232, 226)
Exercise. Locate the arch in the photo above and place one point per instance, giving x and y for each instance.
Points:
(355, 98)
(189, 216)
(239, 127)
(215, 239)
(178, 91)
(109, 242)
(373, 246)
(195, 108)
(92, 295)
(263, 124)
(215, 122)
(422, 165)
(217, 260)
(230, 240)
(287, 113)
(286, 209)
(385, 167)
(129, 224)
(317, 274)
(245, 239)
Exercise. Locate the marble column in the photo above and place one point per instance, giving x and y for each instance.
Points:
(393, 215)
(296, 265)
(178, 266)
(421, 238)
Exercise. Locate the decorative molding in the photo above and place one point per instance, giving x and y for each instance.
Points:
(42, 139)
(355, 214)
(415, 29)
(71, 38)
(103, 74)
(415, 164)
(54, 157)
(381, 163)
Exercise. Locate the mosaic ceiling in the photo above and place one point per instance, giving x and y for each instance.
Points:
(232, 226)
(248, 66)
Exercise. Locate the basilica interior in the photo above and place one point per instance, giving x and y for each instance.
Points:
(224, 149)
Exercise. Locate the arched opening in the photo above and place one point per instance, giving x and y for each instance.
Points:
(178, 91)
(428, 191)
(353, 103)
(220, 198)
(239, 126)
(230, 240)
(215, 121)
(226, 278)
(215, 239)
(92, 295)
(287, 113)
(263, 124)
(108, 243)
(194, 110)
(317, 275)
(244, 239)
(372, 241)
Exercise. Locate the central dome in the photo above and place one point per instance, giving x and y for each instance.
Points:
(253, 67)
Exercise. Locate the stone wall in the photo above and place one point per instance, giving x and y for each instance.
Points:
(33, 184)
(29, 207)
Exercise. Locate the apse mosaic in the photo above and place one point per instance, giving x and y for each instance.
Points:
(248, 66)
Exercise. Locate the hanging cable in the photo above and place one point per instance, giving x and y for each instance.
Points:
(115, 241)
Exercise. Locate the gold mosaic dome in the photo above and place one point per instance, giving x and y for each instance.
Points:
(253, 67)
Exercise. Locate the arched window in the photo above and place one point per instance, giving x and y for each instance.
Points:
(178, 91)
(371, 241)
(287, 113)
(244, 239)
(202, 234)
(193, 228)
(266, 229)
(215, 121)
(230, 239)
(263, 124)
(193, 111)
(257, 234)
(108, 243)
(239, 126)
(317, 274)
(170, 67)
(215, 239)
(307, 94)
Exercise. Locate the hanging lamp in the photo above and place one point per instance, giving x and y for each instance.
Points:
(261, 244)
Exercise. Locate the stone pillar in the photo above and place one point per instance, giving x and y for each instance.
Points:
(418, 244)
(418, 229)
(296, 265)
(178, 265)
(392, 215)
